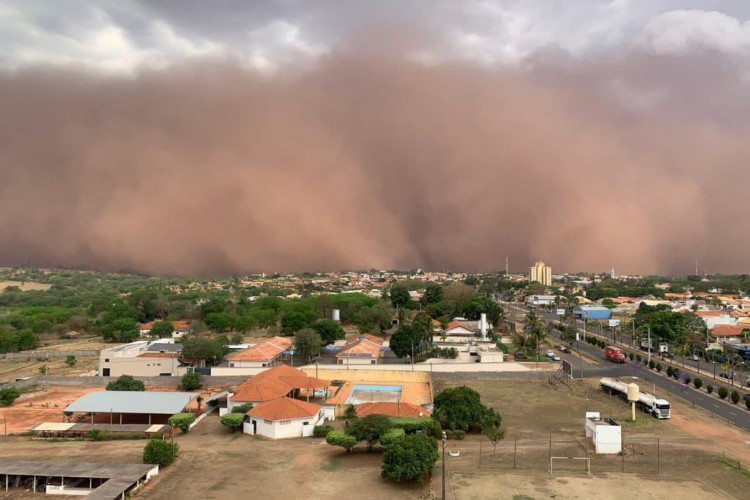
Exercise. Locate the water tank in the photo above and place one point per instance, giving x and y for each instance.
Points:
(633, 392)
(336, 315)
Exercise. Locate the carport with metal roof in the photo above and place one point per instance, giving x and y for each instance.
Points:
(134, 405)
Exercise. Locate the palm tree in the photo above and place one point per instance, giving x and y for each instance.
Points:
(523, 343)
(502, 318)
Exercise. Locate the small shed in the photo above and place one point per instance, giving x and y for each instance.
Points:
(604, 432)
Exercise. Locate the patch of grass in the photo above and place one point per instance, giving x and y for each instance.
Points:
(734, 465)
(522, 497)
(640, 423)
(333, 465)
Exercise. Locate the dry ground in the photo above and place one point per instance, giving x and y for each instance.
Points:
(217, 464)
(24, 286)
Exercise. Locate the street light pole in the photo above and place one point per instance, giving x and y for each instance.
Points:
(445, 438)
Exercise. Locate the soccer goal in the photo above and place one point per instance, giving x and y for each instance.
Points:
(570, 464)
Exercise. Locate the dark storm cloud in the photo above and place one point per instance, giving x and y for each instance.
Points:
(365, 158)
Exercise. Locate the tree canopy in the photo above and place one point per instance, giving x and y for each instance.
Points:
(461, 408)
(411, 457)
(370, 428)
(126, 383)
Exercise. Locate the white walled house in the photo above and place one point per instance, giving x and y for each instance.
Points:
(284, 418)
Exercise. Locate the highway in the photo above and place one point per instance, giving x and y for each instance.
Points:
(664, 387)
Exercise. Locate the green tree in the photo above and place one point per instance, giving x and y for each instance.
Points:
(70, 360)
(341, 438)
(403, 342)
(329, 331)
(723, 392)
(400, 297)
(735, 397)
(191, 381)
(233, 420)
(392, 435)
(199, 349)
(220, 321)
(461, 408)
(308, 344)
(568, 333)
(162, 329)
(370, 428)
(293, 322)
(433, 294)
(243, 408)
(410, 458)
(8, 395)
(159, 452)
(182, 421)
(495, 435)
(120, 330)
(126, 383)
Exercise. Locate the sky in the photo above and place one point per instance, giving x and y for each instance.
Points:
(228, 137)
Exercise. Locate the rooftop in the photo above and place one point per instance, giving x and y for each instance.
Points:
(285, 409)
(155, 403)
(391, 409)
(265, 351)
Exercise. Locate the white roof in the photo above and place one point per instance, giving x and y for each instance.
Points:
(156, 403)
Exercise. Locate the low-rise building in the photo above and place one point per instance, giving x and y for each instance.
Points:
(143, 359)
(284, 418)
(181, 327)
(730, 333)
(260, 355)
(364, 350)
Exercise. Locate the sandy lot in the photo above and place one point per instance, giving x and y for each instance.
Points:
(34, 408)
(25, 286)
(510, 486)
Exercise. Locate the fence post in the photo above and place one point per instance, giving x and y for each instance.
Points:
(480, 450)
(658, 456)
(515, 449)
(550, 453)
(622, 454)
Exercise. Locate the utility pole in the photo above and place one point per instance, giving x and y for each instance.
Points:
(649, 343)
(445, 438)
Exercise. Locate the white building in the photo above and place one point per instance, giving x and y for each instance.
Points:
(605, 433)
(284, 418)
(142, 359)
(540, 300)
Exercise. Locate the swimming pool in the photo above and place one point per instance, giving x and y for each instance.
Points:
(367, 393)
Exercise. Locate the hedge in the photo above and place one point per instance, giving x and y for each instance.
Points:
(391, 436)
(410, 425)
(232, 420)
(321, 431)
(159, 452)
(182, 421)
(341, 438)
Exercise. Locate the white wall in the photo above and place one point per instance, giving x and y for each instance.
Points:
(713, 321)
(277, 430)
(356, 361)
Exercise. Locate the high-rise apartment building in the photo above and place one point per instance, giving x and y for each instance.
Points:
(541, 273)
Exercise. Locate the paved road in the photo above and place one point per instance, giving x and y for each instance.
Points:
(735, 414)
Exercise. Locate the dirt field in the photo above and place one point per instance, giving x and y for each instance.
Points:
(25, 286)
(217, 464)
(34, 408)
(517, 487)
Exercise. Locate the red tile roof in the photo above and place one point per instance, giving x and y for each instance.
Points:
(392, 410)
(285, 409)
(458, 324)
(709, 314)
(265, 351)
(730, 330)
(274, 383)
(365, 345)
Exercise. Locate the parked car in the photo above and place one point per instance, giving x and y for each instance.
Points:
(519, 356)
(554, 357)
(729, 376)
(695, 357)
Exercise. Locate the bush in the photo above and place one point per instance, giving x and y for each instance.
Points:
(747, 403)
(8, 395)
(341, 438)
(735, 397)
(95, 435)
(182, 421)
(459, 434)
(243, 408)
(411, 457)
(698, 383)
(411, 425)
(676, 373)
(687, 379)
(723, 392)
(448, 434)
(670, 370)
(191, 381)
(70, 360)
(638, 357)
(233, 420)
(659, 367)
(631, 356)
(159, 452)
(392, 435)
(351, 411)
(321, 431)
(709, 388)
(126, 383)
(651, 364)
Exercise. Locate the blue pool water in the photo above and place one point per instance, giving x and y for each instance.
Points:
(388, 388)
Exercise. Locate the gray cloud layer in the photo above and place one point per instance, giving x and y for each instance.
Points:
(368, 159)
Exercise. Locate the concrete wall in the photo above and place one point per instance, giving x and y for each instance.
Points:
(141, 367)
(49, 354)
(225, 370)
(375, 374)
(356, 361)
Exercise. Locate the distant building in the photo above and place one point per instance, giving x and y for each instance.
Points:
(265, 354)
(143, 359)
(541, 272)
(592, 312)
(540, 300)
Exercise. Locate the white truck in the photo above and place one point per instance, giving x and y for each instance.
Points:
(647, 403)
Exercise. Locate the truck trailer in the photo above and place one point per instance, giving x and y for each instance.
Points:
(647, 403)
(615, 354)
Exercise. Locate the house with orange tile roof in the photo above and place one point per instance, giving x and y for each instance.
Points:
(181, 327)
(391, 409)
(731, 333)
(716, 317)
(262, 355)
(279, 381)
(284, 418)
(364, 350)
